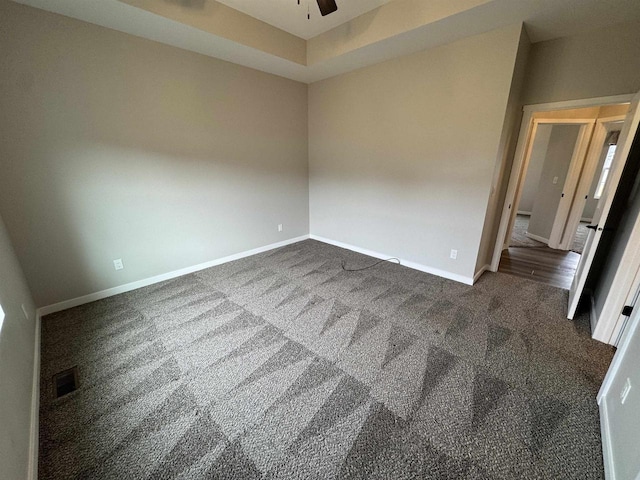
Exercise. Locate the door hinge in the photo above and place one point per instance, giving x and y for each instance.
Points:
(627, 310)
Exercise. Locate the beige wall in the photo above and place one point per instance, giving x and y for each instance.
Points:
(402, 154)
(506, 150)
(562, 143)
(117, 147)
(596, 64)
(534, 169)
(17, 340)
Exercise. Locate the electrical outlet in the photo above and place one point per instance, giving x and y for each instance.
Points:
(117, 264)
(625, 391)
(24, 310)
(555, 180)
(279, 227)
(454, 254)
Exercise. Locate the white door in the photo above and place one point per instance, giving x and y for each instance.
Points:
(619, 402)
(604, 205)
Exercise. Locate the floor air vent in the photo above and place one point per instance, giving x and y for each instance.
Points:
(65, 382)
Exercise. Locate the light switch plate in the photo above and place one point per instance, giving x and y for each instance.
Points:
(625, 391)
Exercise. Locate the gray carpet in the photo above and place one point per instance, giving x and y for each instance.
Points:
(283, 366)
(519, 234)
(520, 239)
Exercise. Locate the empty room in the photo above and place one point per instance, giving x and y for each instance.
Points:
(319, 239)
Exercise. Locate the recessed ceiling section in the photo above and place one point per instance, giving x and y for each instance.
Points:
(388, 21)
(275, 36)
(223, 21)
(291, 17)
(406, 26)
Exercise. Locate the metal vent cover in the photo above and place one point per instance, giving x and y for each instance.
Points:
(65, 382)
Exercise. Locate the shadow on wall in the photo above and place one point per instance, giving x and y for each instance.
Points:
(124, 148)
(98, 203)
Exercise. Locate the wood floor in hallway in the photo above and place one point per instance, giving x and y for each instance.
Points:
(543, 264)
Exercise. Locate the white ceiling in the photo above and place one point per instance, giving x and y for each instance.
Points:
(287, 15)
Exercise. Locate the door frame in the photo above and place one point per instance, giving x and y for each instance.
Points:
(522, 148)
(571, 181)
(610, 321)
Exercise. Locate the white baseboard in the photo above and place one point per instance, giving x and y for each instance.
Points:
(537, 237)
(92, 297)
(406, 263)
(605, 433)
(35, 406)
(477, 276)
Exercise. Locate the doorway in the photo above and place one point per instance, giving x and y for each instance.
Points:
(564, 173)
(553, 147)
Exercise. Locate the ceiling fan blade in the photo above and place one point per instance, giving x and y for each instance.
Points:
(195, 4)
(327, 6)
